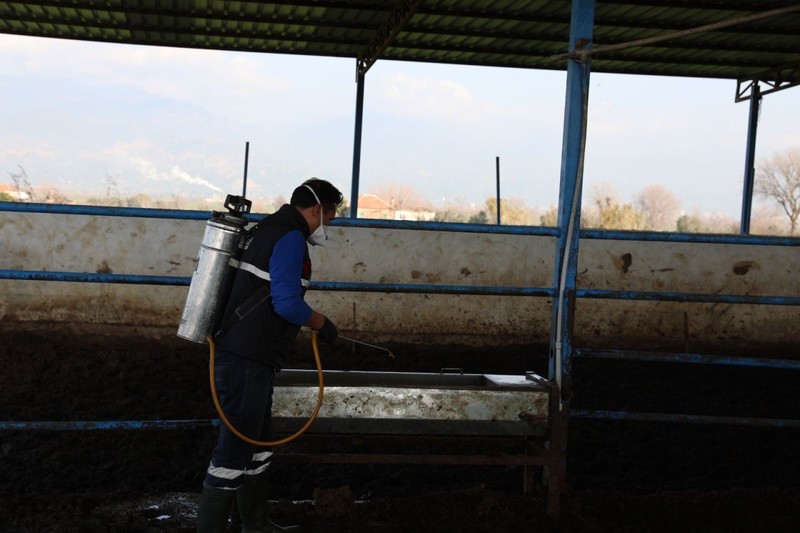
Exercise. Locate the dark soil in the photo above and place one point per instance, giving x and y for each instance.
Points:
(622, 476)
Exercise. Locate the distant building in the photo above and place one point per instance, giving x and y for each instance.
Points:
(371, 206)
(19, 196)
(406, 214)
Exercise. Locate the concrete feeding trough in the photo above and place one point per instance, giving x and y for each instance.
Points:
(413, 403)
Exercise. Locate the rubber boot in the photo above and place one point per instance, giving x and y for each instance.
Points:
(214, 509)
(235, 525)
(252, 501)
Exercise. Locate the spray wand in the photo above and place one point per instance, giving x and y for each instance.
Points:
(381, 348)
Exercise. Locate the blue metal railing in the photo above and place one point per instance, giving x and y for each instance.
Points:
(599, 234)
(686, 419)
(700, 359)
(105, 425)
(549, 292)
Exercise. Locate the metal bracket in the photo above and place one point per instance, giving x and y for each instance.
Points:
(773, 81)
(401, 13)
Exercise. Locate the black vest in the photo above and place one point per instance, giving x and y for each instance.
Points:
(262, 334)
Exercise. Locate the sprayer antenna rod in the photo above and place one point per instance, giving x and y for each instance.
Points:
(246, 157)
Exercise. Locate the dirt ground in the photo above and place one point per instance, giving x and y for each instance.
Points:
(622, 476)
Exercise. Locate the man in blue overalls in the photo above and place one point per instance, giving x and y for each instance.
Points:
(251, 349)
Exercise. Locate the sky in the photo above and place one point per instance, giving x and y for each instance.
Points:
(84, 116)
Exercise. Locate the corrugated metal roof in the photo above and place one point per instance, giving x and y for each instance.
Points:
(734, 39)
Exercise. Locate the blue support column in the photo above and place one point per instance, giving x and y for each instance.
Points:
(572, 156)
(357, 141)
(750, 157)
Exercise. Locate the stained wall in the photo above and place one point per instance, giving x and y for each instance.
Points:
(165, 247)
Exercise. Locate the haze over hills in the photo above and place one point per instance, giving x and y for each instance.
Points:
(96, 118)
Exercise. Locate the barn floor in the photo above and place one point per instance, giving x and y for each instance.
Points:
(622, 476)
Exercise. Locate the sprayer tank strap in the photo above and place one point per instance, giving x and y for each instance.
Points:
(263, 274)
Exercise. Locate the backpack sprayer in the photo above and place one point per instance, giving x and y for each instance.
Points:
(212, 280)
(209, 289)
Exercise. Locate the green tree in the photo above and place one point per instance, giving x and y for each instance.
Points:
(549, 217)
(690, 224)
(621, 216)
(707, 223)
(344, 209)
(612, 214)
(480, 218)
(513, 211)
(449, 215)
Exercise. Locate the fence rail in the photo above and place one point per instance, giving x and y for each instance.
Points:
(548, 292)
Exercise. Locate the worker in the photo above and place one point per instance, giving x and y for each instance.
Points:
(256, 332)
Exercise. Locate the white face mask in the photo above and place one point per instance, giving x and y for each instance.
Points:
(319, 235)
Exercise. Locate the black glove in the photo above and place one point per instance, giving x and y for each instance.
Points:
(328, 333)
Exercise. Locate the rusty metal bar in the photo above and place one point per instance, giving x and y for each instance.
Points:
(425, 459)
(687, 419)
(702, 359)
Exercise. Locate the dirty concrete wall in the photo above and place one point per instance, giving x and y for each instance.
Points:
(84, 243)
(694, 268)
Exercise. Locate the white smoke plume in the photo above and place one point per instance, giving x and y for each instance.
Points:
(149, 171)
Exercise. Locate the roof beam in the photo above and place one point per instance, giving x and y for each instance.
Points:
(638, 55)
(682, 33)
(73, 16)
(401, 13)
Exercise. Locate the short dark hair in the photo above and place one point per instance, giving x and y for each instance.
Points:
(329, 195)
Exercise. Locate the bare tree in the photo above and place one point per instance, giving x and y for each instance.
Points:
(778, 178)
(113, 195)
(659, 207)
(768, 220)
(401, 197)
(51, 195)
(22, 186)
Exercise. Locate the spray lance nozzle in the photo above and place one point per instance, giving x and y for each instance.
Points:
(381, 348)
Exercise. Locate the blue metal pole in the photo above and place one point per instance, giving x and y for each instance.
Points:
(750, 156)
(572, 152)
(357, 141)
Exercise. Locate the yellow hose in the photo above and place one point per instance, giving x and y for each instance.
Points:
(245, 437)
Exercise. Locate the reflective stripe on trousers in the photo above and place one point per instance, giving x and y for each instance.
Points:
(245, 390)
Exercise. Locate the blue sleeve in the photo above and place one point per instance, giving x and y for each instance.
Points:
(285, 272)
